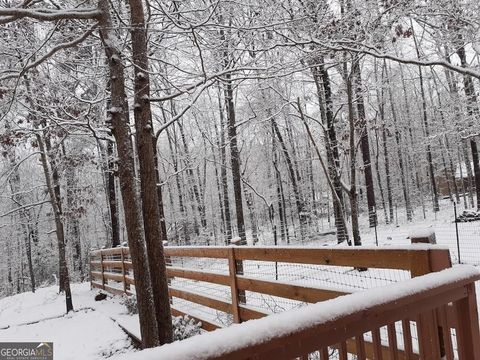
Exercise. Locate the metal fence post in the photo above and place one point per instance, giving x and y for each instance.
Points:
(396, 215)
(456, 230)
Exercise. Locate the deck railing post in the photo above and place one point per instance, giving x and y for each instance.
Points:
(428, 336)
(232, 266)
(468, 334)
(429, 331)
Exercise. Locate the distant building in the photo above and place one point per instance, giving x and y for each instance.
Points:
(461, 170)
(460, 174)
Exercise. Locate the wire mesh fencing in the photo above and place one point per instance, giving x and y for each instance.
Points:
(343, 279)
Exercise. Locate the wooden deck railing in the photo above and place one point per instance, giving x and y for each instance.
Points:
(354, 323)
(115, 265)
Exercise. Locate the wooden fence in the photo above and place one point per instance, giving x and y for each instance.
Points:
(115, 264)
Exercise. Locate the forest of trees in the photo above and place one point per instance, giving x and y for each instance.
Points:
(215, 122)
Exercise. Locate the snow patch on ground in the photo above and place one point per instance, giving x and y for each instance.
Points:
(88, 333)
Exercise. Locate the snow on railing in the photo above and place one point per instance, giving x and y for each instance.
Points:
(334, 328)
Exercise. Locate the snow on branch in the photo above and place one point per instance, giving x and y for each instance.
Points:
(12, 14)
(27, 206)
(51, 53)
(380, 55)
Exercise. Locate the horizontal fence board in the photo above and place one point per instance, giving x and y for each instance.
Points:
(208, 301)
(247, 313)
(113, 276)
(96, 274)
(200, 251)
(382, 258)
(111, 251)
(96, 285)
(285, 290)
(114, 290)
(116, 264)
(198, 275)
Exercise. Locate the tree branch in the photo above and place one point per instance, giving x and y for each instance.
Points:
(11, 14)
(51, 53)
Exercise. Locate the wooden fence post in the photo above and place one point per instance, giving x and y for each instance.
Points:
(232, 266)
(168, 262)
(123, 271)
(90, 270)
(103, 269)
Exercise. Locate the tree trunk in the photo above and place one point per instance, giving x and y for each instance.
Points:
(73, 224)
(364, 144)
(219, 185)
(381, 107)
(341, 226)
(280, 197)
(19, 201)
(353, 163)
(431, 170)
(235, 160)
(126, 172)
(296, 192)
(192, 184)
(148, 176)
(181, 205)
(112, 194)
(57, 212)
(474, 113)
(161, 211)
(379, 176)
(464, 187)
(324, 92)
(403, 176)
(223, 173)
(252, 214)
(386, 160)
(410, 154)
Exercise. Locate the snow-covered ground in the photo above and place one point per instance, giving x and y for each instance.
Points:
(91, 332)
(442, 224)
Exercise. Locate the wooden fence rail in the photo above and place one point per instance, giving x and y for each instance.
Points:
(115, 265)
